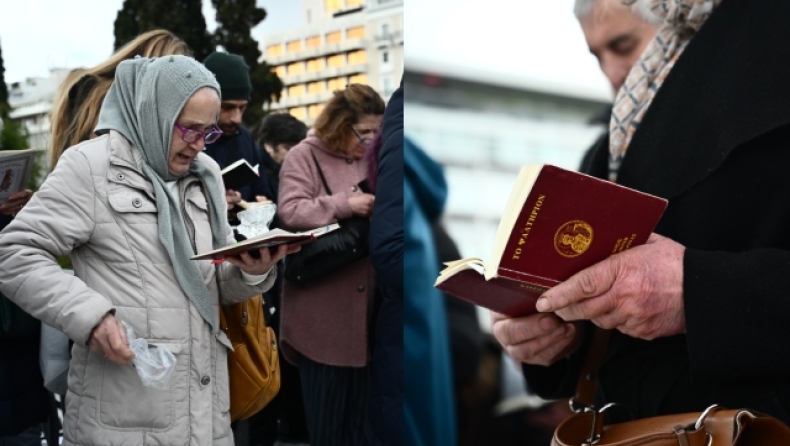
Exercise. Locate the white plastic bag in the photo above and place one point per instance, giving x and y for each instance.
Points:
(154, 365)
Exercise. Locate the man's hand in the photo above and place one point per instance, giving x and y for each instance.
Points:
(268, 258)
(638, 292)
(538, 339)
(16, 202)
(361, 204)
(108, 339)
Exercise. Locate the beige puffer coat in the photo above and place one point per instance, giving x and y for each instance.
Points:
(99, 207)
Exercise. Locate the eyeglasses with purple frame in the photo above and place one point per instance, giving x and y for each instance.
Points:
(191, 136)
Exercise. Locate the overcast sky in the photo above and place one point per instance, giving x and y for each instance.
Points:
(36, 35)
(534, 39)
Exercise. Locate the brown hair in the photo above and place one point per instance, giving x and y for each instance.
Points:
(342, 111)
(75, 111)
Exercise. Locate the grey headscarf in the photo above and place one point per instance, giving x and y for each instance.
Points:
(142, 105)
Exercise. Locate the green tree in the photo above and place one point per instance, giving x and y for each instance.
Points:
(184, 18)
(235, 21)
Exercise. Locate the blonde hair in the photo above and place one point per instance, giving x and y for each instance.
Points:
(342, 111)
(75, 110)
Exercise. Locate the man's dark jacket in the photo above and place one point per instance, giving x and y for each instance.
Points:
(386, 255)
(716, 143)
(229, 149)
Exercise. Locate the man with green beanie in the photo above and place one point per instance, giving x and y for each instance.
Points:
(236, 142)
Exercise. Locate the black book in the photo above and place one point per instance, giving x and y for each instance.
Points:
(239, 174)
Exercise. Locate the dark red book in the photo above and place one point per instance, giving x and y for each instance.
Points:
(556, 223)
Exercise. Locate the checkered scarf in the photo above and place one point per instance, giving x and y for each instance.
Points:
(682, 19)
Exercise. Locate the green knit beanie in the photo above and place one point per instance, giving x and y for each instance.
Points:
(233, 75)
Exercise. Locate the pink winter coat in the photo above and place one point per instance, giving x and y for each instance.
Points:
(328, 320)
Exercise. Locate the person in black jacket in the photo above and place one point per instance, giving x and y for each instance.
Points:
(236, 141)
(24, 402)
(699, 313)
(386, 255)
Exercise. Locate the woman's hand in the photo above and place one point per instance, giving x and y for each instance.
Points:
(108, 339)
(267, 259)
(361, 204)
(537, 339)
(16, 202)
(232, 197)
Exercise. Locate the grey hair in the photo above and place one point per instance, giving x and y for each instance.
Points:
(641, 8)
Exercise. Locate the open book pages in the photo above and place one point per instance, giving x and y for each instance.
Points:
(272, 238)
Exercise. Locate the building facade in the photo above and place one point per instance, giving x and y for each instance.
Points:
(31, 101)
(343, 42)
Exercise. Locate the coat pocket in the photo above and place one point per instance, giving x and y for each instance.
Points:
(124, 402)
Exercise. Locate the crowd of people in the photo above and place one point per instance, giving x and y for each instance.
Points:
(135, 190)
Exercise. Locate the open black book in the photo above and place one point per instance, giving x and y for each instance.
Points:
(239, 174)
(272, 238)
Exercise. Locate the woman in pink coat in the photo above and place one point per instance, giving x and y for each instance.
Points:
(326, 324)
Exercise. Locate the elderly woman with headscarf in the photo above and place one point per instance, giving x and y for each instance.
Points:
(130, 208)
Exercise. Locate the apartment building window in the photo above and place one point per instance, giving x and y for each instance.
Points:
(360, 78)
(275, 50)
(356, 33)
(279, 71)
(294, 46)
(386, 62)
(295, 91)
(334, 37)
(315, 65)
(359, 56)
(315, 87)
(296, 68)
(335, 61)
(313, 42)
(333, 5)
(314, 110)
(335, 84)
(385, 29)
(298, 112)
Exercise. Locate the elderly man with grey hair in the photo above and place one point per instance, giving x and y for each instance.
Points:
(616, 34)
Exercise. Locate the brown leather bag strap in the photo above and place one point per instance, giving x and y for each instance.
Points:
(588, 376)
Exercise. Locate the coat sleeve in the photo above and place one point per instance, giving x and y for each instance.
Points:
(58, 218)
(302, 204)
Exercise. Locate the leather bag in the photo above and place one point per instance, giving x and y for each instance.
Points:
(254, 363)
(715, 426)
(329, 252)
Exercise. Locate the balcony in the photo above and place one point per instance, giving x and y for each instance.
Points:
(307, 99)
(389, 39)
(323, 50)
(326, 73)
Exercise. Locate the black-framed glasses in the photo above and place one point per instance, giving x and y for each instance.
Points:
(360, 138)
(192, 136)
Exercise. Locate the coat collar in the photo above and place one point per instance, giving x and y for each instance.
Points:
(727, 88)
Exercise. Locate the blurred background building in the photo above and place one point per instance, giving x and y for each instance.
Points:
(343, 41)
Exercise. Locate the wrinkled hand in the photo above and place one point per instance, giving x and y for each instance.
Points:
(638, 292)
(16, 202)
(232, 197)
(537, 339)
(361, 204)
(108, 339)
(268, 258)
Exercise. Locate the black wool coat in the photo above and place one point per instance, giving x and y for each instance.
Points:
(716, 143)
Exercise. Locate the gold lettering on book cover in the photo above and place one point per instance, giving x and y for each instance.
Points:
(573, 238)
(528, 227)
